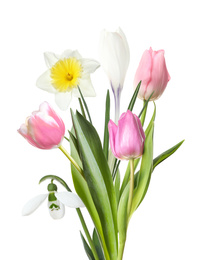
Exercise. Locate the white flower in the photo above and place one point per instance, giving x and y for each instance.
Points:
(114, 56)
(65, 73)
(56, 202)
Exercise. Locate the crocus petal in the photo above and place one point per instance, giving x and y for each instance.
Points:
(63, 99)
(50, 59)
(89, 66)
(44, 82)
(69, 199)
(33, 204)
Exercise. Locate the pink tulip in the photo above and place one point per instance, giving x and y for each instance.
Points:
(126, 139)
(152, 71)
(44, 128)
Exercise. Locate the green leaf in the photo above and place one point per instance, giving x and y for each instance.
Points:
(133, 99)
(127, 175)
(83, 191)
(98, 246)
(106, 133)
(117, 185)
(87, 248)
(160, 158)
(98, 177)
(122, 215)
(54, 177)
(85, 105)
(146, 166)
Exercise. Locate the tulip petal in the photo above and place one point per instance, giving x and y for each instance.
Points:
(112, 128)
(69, 199)
(33, 204)
(44, 82)
(63, 99)
(50, 59)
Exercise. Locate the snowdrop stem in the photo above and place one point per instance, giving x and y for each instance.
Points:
(131, 187)
(71, 159)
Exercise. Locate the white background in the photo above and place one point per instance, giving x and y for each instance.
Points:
(166, 224)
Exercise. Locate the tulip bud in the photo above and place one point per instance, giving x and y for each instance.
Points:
(127, 139)
(152, 71)
(114, 57)
(44, 129)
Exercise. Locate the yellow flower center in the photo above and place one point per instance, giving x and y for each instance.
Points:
(65, 74)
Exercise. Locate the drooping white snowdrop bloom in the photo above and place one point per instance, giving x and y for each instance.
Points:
(56, 202)
(65, 73)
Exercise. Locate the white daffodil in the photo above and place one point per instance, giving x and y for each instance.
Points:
(65, 73)
(56, 202)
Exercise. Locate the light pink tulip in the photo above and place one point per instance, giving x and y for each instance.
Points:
(126, 139)
(152, 71)
(44, 128)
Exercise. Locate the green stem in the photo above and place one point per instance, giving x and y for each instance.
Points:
(121, 250)
(90, 241)
(131, 187)
(143, 116)
(71, 159)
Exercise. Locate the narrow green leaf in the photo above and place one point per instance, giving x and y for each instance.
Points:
(87, 248)
(99, 179)
(117, 186)
(122, 218)
(146, 166)
(160, 158)
(54, 177)
(82, 108)
(133, 99)
(145, 105)
(85, 105)
(98, 246)
(106, 133)
(127, 175)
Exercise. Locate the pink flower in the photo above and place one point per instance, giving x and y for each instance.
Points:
(127, 139)
(44, 128)
(152, 71)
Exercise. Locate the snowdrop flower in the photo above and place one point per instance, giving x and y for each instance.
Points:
(56, 202)
(65, 73)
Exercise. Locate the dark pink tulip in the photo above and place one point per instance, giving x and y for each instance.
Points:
(126, 139)
(152, 71)
(44, 128)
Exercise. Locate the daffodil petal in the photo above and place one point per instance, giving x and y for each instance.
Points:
(69, 199)
(44, 82)
(63, 99)
(69, 53)
(89, 66)
(33, 204)
(86, 88)
(51, 58)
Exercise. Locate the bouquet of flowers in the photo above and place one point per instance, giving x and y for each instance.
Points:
(109, 199)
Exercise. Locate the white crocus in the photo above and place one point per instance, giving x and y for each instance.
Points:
(65, 73)
(114, 57)
(56, 203)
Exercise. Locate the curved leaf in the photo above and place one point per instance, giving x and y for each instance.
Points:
(98, 177)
